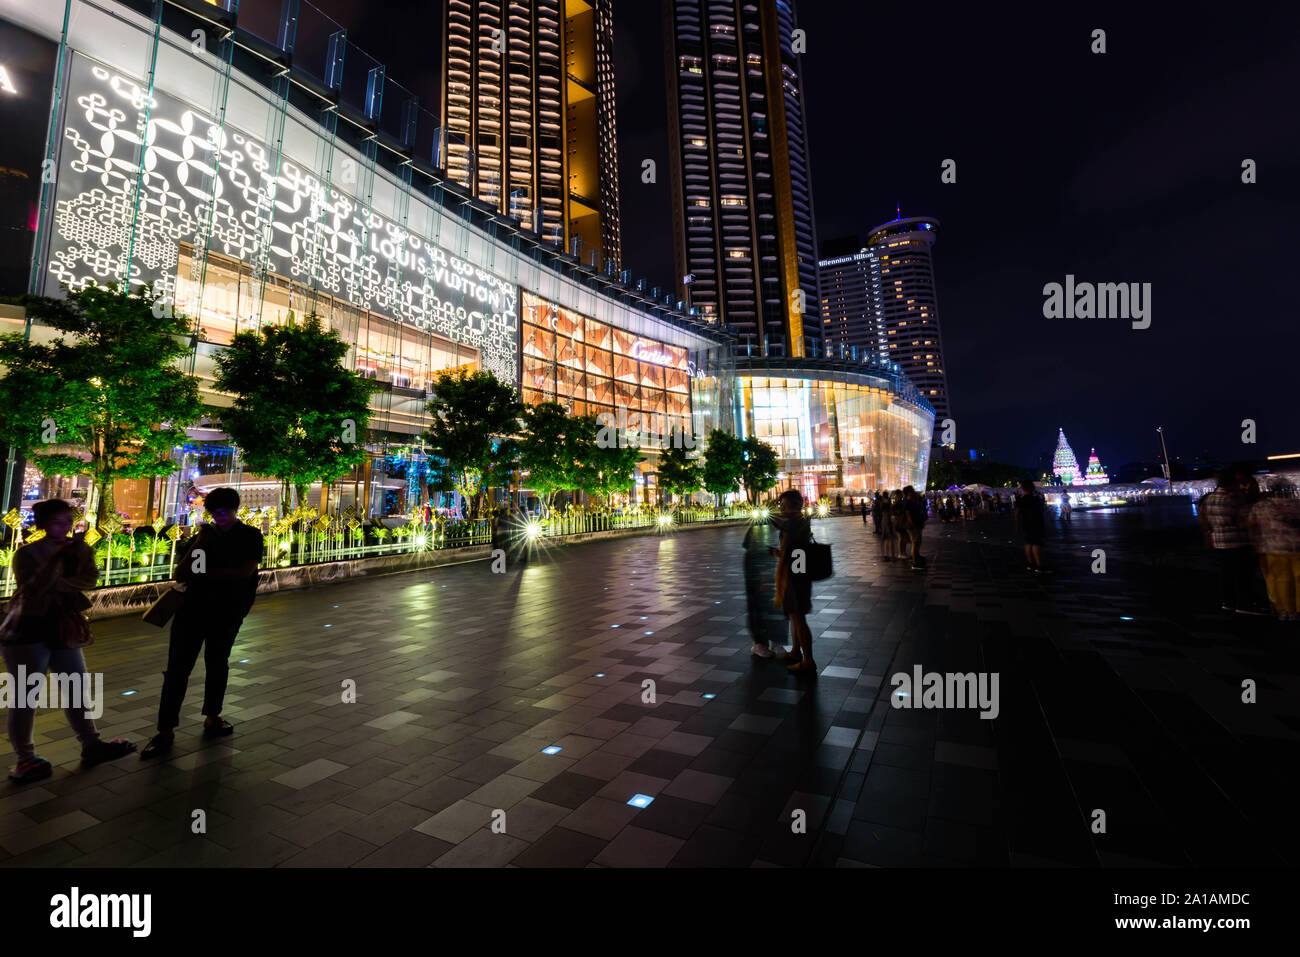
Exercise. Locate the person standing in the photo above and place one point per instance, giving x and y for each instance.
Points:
(51, 575)
(1224, 515)
(759, 579)
(1274, 523)
(219, 570)
(1031, 522)
(876, 512)
(898, 522)
(864, 512)
(914, 522)
(794, 589)
(885, 528)
(1065, 507)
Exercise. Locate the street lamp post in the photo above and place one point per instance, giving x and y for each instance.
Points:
(1165, 453)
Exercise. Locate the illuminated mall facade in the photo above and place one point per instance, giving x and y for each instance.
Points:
(253, 175)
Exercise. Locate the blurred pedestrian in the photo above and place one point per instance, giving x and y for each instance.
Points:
(45, 630)
(1274, 523)
(1224, 520)
(794, 588)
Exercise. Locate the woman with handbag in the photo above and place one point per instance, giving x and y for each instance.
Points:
(794, 589)
(46, 630)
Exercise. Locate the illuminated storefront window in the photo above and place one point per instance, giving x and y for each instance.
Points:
(591, 368)
(226, 303)
(837, 437)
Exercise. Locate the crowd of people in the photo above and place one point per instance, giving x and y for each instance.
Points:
(1249, 531)
(1252, 531)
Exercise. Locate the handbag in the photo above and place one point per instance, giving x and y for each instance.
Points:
(820, 566)
(74, 630)
(165, 606)
(13, 614)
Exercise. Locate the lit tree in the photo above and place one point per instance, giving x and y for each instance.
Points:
(605, 468)
(108, 387)
(724, 464)
(761, 466)
(679, 473)
(298, 414)
(546, 449)
(475, 418)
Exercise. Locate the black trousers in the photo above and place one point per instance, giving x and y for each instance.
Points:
(1236, 576)
(197, 626)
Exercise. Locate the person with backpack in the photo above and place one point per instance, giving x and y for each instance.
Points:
(914, 517)
(885, 528)
(44, 630)
(794, 588)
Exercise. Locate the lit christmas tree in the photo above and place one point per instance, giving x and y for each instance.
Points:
(1096, 474)
(1064, 465)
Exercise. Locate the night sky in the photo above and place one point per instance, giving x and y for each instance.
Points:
(1122, 167)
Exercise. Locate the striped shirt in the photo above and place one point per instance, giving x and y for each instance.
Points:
(1225, 513)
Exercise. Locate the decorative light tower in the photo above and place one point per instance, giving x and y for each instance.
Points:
(1096, 474)
(1064, 465)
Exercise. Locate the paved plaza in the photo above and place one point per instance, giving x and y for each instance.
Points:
(1119, 692)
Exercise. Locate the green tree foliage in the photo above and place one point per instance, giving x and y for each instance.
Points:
(604, 468)
(724, 463)
(299, 414)
(546, 449)
(679, 472)
(760, 468)
(108, 386)
(475, 418)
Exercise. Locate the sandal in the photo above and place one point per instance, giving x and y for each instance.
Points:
(218, 729)
(33, 769)
(808, 667)
(101, 751)
(792, 656)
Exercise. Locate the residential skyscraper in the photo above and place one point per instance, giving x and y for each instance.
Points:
(528, 116)
(742, 191)
(899, 256)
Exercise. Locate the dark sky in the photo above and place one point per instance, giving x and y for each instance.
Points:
(1122, 167)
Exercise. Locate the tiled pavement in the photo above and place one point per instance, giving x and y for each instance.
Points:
(462, 677)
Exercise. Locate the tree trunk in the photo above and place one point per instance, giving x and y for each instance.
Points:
(301, 492)
(148, 508)
(105, 507)
(284, 498)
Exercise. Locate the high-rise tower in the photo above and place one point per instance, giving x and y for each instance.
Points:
(528, 116)
(903, 271)
(742, 191)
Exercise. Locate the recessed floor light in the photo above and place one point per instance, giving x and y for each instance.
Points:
(1125, 618)
(553, 749)
(599, 674)
(649, 632)
(708, 696)
(641, 800)
(244, 661)
(125, 693)
(613, 626)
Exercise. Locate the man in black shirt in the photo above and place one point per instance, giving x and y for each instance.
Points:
(219, 569)
(1032, 524)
